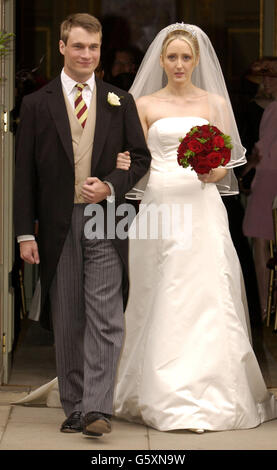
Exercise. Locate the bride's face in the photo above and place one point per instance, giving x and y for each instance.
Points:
(178, 61)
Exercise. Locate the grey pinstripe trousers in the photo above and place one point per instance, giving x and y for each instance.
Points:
(88, 321)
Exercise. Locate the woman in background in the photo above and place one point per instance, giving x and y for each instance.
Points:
(258, 220)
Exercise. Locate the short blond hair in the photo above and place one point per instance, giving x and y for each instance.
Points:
(81, 20)
(184, 35)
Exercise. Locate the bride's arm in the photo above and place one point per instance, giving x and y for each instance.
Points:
(142, 107)
(123, 161)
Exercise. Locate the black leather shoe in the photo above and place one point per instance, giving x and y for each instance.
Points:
(96, 423)
(73, 423)
(92, 434)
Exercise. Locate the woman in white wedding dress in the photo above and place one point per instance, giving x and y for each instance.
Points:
(187, 361)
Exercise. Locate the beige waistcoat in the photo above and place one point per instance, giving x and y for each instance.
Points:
(82, 141)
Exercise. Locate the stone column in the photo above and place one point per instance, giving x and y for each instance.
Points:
(268, 23)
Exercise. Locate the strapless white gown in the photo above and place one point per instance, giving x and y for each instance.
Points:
(187, 360)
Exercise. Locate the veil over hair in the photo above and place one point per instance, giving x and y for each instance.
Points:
(208, 76)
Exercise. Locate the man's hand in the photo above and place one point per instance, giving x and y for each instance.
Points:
(29, 252)
(94, 190)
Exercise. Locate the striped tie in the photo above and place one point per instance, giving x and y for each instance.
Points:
(81, 110)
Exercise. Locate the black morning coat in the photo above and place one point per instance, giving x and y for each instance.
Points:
(44, 174)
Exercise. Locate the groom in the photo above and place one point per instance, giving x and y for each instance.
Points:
(67, 143)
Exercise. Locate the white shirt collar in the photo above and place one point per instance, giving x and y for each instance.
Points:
(69, 84)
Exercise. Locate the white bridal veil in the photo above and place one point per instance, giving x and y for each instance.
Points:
(206, 75)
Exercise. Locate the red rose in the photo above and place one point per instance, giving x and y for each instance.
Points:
(196, 134)
(200, 164)
(195, 146)
(214, 159)
(182, 148)
(205, 132)
(216, 130)
(186, 139)
(205, 135)
(205, 128)
(225, 155)
(208, 146)
(218, 141)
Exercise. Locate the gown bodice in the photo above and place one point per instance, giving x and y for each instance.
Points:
(164, 139)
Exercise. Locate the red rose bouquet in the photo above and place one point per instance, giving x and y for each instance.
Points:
(204, 148)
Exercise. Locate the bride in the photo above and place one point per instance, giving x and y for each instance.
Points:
(187, 361)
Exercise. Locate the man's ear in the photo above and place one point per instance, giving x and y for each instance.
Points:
(61, 46)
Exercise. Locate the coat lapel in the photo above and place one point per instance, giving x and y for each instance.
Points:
(103, 116)
(59, 113)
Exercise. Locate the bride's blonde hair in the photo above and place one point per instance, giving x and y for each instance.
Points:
(184, 35)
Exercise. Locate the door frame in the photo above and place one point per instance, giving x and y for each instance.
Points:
(7, 92)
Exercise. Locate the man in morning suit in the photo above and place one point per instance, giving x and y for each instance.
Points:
(67, 143)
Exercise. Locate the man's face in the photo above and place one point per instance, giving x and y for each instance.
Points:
(81, 53)
(123, 63)
(270, 85)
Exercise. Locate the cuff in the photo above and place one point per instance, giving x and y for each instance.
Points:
(25, 238)
(112, 196)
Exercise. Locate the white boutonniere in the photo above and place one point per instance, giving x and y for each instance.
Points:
(113, 99)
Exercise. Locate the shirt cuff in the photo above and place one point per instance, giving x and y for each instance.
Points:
(25, 238)
(112, 196)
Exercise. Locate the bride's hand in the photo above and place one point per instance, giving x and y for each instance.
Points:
(214, 175)
(123, 161)
(206, 177)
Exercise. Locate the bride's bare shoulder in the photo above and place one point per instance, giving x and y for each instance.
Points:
(144, 101)
(217, 99)
(213, 97)
(145, 105)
